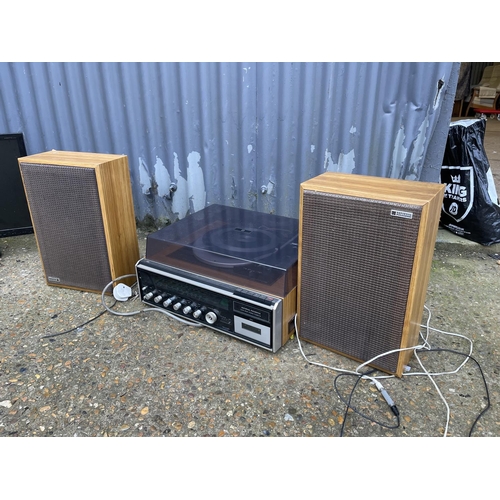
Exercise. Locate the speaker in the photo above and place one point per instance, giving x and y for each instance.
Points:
(83, 217)
(365, 253)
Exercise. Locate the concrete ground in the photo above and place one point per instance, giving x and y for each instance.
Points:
(147, 375)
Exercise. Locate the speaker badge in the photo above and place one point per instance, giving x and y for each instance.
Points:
(402, 214)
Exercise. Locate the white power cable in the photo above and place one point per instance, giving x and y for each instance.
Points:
(315, 363)
(424, 347)
(370, 361)
(379, 386)
(429, 375)
(471, 344)
(351, 372)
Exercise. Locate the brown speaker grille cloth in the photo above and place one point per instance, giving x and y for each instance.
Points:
(66, 212)
(356, 267)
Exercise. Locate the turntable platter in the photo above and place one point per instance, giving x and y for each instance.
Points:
(233, 246)
(243, 247)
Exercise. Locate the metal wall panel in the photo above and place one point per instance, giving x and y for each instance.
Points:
(241, 134)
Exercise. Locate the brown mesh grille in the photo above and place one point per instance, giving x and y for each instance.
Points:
(356, 266)
(66, 213)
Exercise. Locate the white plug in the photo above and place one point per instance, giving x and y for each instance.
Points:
(387, 398)
(122, 292)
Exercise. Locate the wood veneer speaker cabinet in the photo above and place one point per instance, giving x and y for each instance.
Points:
(365, 252)
(83, 217)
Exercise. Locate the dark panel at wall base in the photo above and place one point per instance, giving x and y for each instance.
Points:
(14, 213)
(364, 264)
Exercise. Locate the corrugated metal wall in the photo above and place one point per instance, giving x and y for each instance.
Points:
(241, 134)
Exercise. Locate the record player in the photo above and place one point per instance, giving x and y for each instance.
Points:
(230, 269)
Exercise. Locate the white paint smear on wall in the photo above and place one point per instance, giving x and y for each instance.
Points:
(346, 163)
(399, 153)
(180, 203)
(191, 192)
(419, 146)
(328, 163)
(196, 182)
(270, 187)
(144, 178)
(162, 177)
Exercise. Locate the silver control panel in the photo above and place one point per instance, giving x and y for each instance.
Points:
(246, 314)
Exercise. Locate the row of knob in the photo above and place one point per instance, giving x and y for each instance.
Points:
(210, 316)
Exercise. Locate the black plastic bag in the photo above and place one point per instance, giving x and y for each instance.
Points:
(470, 206)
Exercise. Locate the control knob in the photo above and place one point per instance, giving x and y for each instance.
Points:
(211, 317)
(199, 312)
(158, 298)
(169, 301)
(148, 295)
(188, 309)
(178, 305)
